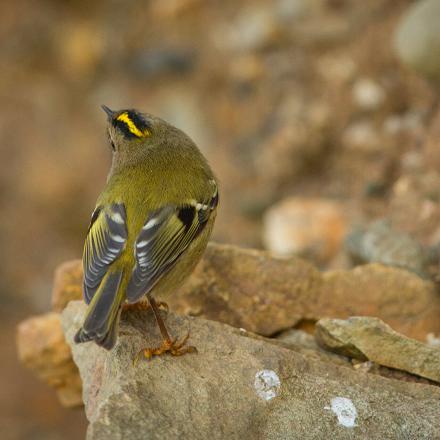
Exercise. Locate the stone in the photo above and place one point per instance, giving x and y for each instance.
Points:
(402, 299)
(380, 243)
(43, 349)
(259, 294)
(304, 343)
(367, 94)
(417, 39)
(367, 338)
(67, 284)
(237, 387)
(305, 227)
(249, 289)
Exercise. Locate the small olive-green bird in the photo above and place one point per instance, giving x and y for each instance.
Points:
(150, 226)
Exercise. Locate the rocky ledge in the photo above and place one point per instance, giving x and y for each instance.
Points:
(237, 387)
(257, 373)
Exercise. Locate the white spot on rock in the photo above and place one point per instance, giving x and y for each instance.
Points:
(267, 384)
(345, 411)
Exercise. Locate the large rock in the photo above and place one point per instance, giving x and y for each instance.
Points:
(252, 290)
(417, 39)
(402, 299)
(249, 289)
(370, 338)
(306, 344)
(265, 295)
(237, 387)
(43, 349)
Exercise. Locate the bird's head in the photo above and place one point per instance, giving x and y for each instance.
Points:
(135, 137)
(131, 129)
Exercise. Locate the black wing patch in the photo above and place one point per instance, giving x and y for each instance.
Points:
(105, 241)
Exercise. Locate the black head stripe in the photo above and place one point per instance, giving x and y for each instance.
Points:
(138, 120)
(124, 128)
(131, 124)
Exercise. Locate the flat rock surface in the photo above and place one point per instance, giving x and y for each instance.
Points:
(367, 338)
(237, 387)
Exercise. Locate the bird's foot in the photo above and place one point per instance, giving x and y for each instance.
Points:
(173, 347)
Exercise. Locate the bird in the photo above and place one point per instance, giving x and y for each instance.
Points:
(150, 226)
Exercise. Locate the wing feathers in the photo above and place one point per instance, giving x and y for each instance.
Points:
(105, 241)
(166, 234)
(102, 314)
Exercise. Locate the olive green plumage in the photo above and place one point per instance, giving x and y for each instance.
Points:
(151, 223)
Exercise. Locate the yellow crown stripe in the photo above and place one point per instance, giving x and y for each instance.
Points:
(131, 125)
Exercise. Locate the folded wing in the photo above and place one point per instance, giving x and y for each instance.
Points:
(166, 234)
(106, 239)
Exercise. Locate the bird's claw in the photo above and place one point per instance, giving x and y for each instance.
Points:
(173, 347)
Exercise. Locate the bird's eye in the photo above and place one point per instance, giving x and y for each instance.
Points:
(112, 144)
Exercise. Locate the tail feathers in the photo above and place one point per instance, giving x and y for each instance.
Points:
(102, 318)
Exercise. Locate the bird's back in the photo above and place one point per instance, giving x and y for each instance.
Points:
(161, 178)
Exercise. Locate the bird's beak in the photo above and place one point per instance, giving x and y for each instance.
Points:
(109, 112)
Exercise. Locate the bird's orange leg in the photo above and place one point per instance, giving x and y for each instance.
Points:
(169, 345)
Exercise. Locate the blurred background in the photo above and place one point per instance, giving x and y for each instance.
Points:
(318, 116)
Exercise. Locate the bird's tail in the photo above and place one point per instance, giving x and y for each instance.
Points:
(102, 316)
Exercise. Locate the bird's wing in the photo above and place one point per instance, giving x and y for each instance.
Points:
(166, 234)
(105, 241)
